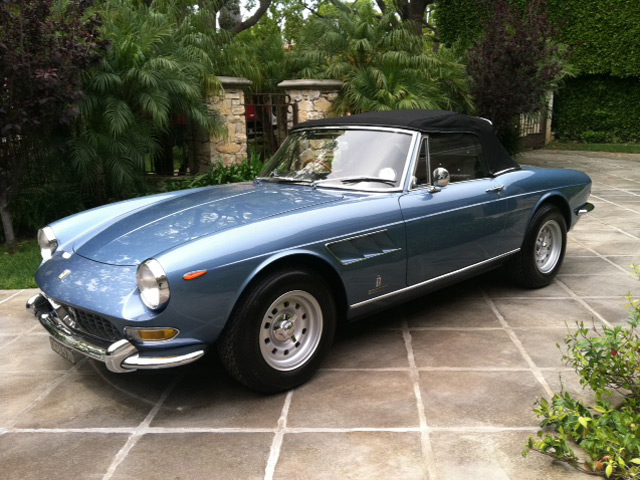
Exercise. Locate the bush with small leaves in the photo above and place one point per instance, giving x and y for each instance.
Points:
(607, 360)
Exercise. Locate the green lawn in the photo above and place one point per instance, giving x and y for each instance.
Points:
(18, 270)
(595, 147)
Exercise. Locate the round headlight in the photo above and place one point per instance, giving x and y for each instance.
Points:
(153, 284)
(47, 241)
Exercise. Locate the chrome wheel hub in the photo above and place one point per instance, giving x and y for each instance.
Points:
(291, 330)
(548, 246)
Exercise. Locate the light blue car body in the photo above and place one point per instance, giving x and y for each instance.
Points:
(375, 248)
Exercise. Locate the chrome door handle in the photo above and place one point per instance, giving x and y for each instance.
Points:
(498, 189)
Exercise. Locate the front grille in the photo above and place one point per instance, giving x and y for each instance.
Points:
(94, 325)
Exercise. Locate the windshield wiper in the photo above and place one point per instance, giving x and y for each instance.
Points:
(356, 180)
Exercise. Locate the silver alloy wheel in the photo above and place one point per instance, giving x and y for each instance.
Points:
(548, 246)
(291, 330)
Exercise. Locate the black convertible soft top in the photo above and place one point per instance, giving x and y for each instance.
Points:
(430, 121)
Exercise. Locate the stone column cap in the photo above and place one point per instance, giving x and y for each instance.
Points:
(311, 84)
(235, 82)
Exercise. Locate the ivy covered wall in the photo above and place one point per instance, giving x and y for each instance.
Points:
(604, 40)
(598, 109)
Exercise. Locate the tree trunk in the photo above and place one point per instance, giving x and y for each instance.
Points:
(7, 223)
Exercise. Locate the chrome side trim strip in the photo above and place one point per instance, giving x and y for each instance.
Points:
(432, 280)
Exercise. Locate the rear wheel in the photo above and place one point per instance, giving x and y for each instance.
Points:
(542, 252)
(280, 331)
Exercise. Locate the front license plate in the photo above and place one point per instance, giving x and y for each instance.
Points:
(63, 350)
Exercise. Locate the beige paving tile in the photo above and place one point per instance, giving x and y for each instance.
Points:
(493, 456)
(576, 249)
(626, 261)
(587, 265)
(506, 290)
(550, 313)
(450, 312)
(601, 285)
(4, 294)
(5, 340)
(14, 317)
(454, 348)
(354, 455)
(57, 456)
(542, 345)
(214, 400)
(569, 381)
(473, 399)
(90, 401)
(359, 347)
(616, 311)
(355, 399)
(32, 353)
(18, 392)
(197, 456)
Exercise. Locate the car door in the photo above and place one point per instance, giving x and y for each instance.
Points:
(456, 226)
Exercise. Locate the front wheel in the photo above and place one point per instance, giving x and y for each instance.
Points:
(542, 252)
(280, 331)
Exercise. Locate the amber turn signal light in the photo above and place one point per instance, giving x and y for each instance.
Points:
(152, 334)
(195, 274)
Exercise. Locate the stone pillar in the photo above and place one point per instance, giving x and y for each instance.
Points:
(232, 146)
(314, 98)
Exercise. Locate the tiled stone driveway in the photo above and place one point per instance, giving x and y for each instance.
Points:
(441, 388)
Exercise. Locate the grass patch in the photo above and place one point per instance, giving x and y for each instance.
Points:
(595, 147)
(18, 270)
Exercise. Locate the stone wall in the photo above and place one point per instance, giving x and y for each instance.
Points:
(232, 146)
(314, 98)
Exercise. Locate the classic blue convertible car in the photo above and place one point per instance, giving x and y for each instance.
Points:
(350, 216)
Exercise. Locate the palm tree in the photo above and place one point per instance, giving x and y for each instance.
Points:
(383, 64)
(158, 66)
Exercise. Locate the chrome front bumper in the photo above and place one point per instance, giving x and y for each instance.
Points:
(120, 357)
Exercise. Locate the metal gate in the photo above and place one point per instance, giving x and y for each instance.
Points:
(269, 118)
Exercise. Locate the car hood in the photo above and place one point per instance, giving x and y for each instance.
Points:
(132, 238)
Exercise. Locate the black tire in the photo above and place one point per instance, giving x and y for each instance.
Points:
(539, 261)
(280, 331)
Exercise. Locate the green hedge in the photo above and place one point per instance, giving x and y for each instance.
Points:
(603, 35)
(598, 109)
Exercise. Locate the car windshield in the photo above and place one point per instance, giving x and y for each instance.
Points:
(339, 158)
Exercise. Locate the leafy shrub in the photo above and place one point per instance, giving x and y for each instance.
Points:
(595, 137)
(607, 360)
(219, 174)
(513, 65)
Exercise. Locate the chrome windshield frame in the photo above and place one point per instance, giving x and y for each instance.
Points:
(408, 164)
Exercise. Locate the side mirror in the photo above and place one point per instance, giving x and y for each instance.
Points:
(440, 177)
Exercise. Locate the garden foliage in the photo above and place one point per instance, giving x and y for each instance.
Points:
(513, 65)
(607, 360)
(44, 47)
(603, 39)
(219, 174)
(157, 68)
(382, 63)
